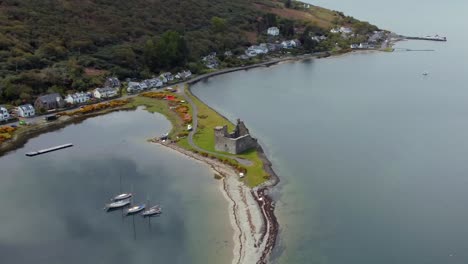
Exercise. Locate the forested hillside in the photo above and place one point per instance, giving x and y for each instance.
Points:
(60, 45)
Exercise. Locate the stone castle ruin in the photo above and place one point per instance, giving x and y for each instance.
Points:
(236, 142)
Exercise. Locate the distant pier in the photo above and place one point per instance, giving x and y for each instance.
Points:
(430, 38)
(44, 151)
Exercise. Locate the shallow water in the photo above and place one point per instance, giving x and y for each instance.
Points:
(52, 205)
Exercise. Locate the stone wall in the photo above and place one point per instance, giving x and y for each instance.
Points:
(245, 143)
(235, 143)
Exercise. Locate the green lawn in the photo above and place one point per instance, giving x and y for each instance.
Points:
(162, 107)
(208, 119)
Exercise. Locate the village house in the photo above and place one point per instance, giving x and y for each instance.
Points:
(361, 46)
(163, 79)
(49, 102)
(274, 47)
(133, 87)
(112, 82)
(318, 38)
(77, 98)
(376, 37)
(183, 75)
(289, 44)
(144, 86)
(154, 83)
(298, 43)
(4, 115)
(107, 92)
(250, 53)
(26, 110)
(168, 76)
(211, 61)
(149, 83)
(344, 30)
(273, 31)
(253, 51)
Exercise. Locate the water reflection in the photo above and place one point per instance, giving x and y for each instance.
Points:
(55, 201)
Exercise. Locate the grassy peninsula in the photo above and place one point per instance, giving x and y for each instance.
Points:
(177, 109)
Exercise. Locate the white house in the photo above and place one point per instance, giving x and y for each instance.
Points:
(345, 30)
(26, 110)
(363, 45)
(148, 83)
(360, 46)
(77, 98)
(133, 87)
(273, 31)
(105, 92)
(289, 44)
(319, 38)
(144, 86)
(256, 50)
(211, 61)
(4, 115)
(183, 75)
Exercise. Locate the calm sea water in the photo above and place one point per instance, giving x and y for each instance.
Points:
(373, 156)
(52, 205)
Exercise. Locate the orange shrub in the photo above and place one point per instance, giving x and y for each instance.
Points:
(156, 95)
(96, 107)
(7, 129)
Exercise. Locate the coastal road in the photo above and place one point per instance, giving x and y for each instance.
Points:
(40, 118)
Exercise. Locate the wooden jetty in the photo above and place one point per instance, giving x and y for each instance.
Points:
(43, 151)
(431, 38)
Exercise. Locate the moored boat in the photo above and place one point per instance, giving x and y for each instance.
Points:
(117, 204)
(122, 196)
(153, 211)
(135, 209)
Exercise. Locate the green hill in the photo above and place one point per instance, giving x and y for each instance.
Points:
(60, 45)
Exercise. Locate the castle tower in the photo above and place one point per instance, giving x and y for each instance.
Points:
(241, 129)
(222, 142)
(221, 131)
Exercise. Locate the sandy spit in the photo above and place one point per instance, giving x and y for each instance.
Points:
(251, 211)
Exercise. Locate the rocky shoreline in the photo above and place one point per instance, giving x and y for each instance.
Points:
(251, 210)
